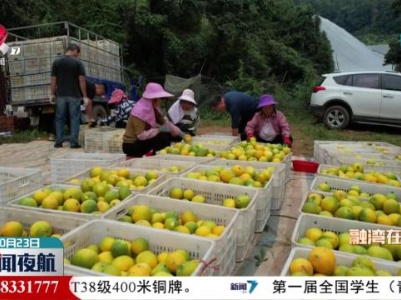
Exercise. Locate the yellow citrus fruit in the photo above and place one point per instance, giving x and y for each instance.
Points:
(176, 193)
(106, 256)
(188, 216)
(384, 219)
(332, 236)
(147, 257)
(141, 212)
(330, 204)
(139, 269)
(139, 245)
(39, 196)
(158, 225)
(313, 233)
(92, 247)
(345, 212)
(301, 265)
(161, 257)
(218, 230)
(187, 268)
(106, 243)
(123, 262)
(311, 208)
(72, 205)
(188, 194)
(394, 217)
(41, 229)
(174, 260)
(12, 228)
(390, 206)
(182, 229)
(85, 258)
(203, 230)
(120, 247)
(88, 206)
(323, 260)
(124, 172)
(367, 215)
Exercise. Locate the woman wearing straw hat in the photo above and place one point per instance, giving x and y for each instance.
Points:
(184, 114)
(269, 125)
(121, 108)
(147, 130)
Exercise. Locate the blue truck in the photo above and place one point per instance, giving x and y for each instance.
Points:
(28, 72)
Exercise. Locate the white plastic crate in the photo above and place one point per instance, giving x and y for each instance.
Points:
(15, 182)
(214, 194)
(210, 140)
(60, 224)
(67, 165)
(306, 221)
(380, 165)
(215, 144)
(264, 197)
(221, 135)
(341, 259)
(344, 184)
(86, 174)
(225, 247)
(147, 163)
(81, 135)
(102, 140)
(331, 157)
(367, 168)
(279, 180)
(319, 147)
(159, 241)
(186, 158)
(86, 216)
(287, 161)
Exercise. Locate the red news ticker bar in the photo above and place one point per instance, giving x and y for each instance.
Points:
(36, 288)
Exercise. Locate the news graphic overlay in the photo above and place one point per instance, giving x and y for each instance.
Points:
(27, 256)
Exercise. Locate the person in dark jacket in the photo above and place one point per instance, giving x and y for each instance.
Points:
(241, 107)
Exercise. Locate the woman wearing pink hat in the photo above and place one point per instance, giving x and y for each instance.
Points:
(184, 114)
(269, 125)
(121, 108)
(147, 130)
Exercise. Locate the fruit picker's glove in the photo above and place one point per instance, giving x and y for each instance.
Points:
(249, 136)
(52, 99)
(164, 128)
(86, 101)
(287, 141)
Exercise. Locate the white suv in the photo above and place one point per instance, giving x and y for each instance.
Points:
(371, 97)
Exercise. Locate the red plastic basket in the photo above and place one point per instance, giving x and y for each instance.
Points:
(305, 166)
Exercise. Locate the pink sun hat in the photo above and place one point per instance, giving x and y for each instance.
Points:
(266, 100)
(117, 96)
(155, 90)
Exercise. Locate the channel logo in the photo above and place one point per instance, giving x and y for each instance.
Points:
(245, 287)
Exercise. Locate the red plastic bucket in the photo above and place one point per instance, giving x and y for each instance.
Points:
(304, 166)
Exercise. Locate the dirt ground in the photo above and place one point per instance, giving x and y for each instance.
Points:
(300, 146)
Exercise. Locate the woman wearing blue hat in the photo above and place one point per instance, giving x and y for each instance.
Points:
(269, 125)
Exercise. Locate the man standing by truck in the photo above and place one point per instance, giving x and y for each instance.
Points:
(68, 83)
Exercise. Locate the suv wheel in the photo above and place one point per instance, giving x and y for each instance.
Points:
(336, 117)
